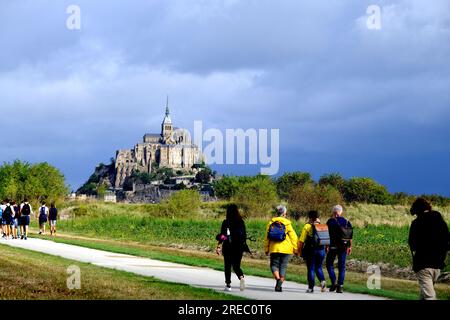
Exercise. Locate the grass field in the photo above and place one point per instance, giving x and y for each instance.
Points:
(374, 241)
(30, 275)
(380, 236)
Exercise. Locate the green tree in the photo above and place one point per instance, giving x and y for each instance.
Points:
(35, 182)
(256, 197)
(203, 176)
(226, 187)
(288, 181)
(101, 190)
(334, 180)
(366, 190)
(313, 197)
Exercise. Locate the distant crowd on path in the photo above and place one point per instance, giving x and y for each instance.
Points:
(15, 219)
(429, 241)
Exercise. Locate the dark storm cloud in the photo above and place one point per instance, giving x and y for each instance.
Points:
(345, 98)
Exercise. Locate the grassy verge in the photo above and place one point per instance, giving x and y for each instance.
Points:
(27, 274)
(355, 282)
(372, 243)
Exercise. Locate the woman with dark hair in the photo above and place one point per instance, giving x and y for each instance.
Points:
(232, 244)
(313, 253)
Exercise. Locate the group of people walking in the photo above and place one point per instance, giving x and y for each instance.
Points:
(15, 219)
(315, 242)
(281, 242)
(429, 240)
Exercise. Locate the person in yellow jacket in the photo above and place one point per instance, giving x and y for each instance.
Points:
(280, 250)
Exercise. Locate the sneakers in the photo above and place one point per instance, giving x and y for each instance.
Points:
(227, 288)
(340, 289)
(333, 288)
(21, 237)
(310, 291)
(25, 238)
(242, 284)
(323, 286)
(278, 287)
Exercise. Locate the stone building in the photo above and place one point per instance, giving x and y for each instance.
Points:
(172, 148)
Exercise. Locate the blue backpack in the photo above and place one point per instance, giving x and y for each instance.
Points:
(277, 231)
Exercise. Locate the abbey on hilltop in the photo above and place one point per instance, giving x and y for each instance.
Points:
(172, 148)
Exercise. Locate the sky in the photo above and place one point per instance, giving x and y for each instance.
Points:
(346, 98)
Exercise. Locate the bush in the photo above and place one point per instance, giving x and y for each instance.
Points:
(313, 197)
(436, 200)
(288, 181)
(366, 190)
(402, 198)
(334, 180)
(204, 176)
(182, 203)
(227, 187)
(256, 197)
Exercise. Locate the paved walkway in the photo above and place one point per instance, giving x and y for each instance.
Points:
(257, 287)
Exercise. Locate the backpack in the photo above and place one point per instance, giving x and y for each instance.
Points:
(277, 231)
(8, 211)
(42, 212)
(321, 235)
(26, 209)
(344, 234)
(17, 211)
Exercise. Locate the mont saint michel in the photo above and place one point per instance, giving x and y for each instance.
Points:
(171, 148)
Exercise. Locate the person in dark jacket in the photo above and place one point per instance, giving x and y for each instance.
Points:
(232, 243)
(338, 248)
(429, 241)
(52, 217)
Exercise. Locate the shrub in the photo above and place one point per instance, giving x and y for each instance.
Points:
(366, 190)
(256, 197)
(182, 203)
(228, 186)
(313, 197)
(402, 198)
(436, 200)
(203, 176)
(334, 180)
(288, 181)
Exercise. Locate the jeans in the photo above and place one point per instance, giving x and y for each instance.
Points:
(314, 265)
(232, 259)
(341, 254)
(279, 262)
